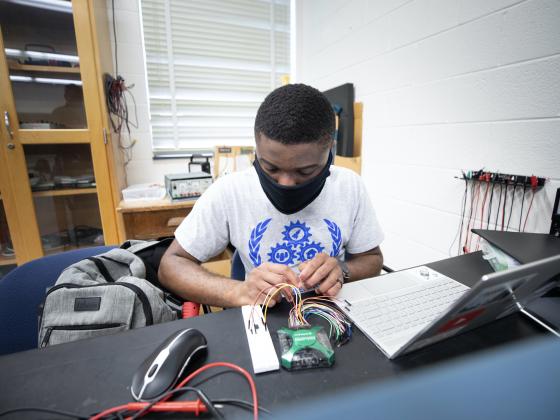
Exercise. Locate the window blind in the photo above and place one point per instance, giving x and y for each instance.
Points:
(210, 63)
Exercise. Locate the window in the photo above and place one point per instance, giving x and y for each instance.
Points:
(210, 63)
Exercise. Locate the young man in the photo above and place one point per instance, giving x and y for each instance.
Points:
(292, 217)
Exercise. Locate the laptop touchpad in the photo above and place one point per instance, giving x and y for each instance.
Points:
(391, 282)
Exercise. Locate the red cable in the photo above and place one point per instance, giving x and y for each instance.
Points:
(483, 204)
(528, 211)
(187, 406)
(504, 206)
(232, 367)
(195, 407)
(475, 205)
(482, 214)
(465, 248)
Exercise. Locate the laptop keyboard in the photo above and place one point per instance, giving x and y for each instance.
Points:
(382, 316)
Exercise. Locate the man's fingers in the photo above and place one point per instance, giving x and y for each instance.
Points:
(312, 265)
(271, 278)
(322, 272)
(329, 283)
(260, 288)
(287, 273)
(333, 291)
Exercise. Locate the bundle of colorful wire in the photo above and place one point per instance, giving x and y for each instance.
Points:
(322, 306)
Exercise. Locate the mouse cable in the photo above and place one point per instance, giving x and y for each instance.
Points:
(239, 403)
(43, 410)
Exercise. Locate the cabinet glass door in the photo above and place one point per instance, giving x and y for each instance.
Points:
(7, 254)
(64, 195)
(44, 68)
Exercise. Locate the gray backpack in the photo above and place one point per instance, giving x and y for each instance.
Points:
(103, 295)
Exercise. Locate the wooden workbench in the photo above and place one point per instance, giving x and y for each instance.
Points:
(151, 219)
(156, 219)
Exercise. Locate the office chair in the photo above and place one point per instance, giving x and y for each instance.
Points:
(23, 289)
(237, 268)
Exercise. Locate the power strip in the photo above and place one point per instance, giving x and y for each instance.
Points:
(263, 354)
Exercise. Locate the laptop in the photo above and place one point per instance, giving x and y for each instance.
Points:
(410, 309)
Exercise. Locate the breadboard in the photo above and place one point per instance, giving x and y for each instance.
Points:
(263, 354)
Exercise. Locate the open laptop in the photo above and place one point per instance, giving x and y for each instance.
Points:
(410, 309)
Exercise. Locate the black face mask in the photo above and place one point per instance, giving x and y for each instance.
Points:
(289, 200)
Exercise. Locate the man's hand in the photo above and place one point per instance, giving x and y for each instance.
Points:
(261, 279)
(321, 273)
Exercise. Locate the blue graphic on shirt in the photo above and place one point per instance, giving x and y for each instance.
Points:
(308, 251)
(296, 233)
(255, 242)
(282, 254)
(296, 246)
(336, 236)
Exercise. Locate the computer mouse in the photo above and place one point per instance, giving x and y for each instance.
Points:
(161, 370)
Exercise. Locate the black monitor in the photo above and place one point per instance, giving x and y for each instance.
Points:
(342, 101)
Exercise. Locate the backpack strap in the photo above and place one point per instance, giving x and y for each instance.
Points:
(102, 269)
(122, 263)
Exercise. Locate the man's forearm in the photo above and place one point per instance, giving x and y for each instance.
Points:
(365, 266)
(194, 283)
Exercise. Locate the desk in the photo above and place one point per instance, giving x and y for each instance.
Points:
(90, 375)
(151, 219)
(155, 219)
(527, 247)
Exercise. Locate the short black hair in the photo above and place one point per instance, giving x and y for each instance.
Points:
(295, 114)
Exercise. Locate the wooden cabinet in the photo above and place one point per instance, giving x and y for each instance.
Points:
(59, 182)
(152, 219)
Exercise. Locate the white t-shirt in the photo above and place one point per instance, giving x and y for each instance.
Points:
(235, 209)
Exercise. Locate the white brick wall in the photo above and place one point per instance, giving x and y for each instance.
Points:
(446, 85)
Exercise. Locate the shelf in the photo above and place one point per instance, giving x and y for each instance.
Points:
(45, 69)
(54, 136)
(141, 206)
(64, 192)
(7, 260)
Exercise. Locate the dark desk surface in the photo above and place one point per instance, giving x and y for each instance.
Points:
(525, 247)
(528, 247)
(90, 375)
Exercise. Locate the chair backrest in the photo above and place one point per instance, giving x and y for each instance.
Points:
(23, 289)
(237, 268)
